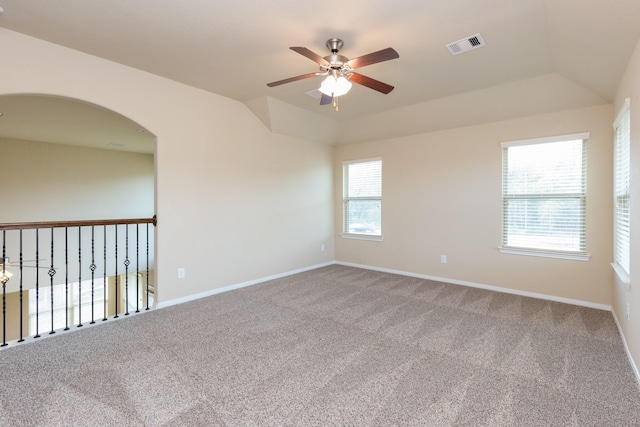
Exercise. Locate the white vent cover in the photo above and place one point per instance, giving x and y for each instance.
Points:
(473, 42)
(314, 94)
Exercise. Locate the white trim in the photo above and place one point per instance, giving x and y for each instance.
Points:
(532, 252)
(623, 276)
(357, 236)
(30, 339)
(367, 160)
(238, 286)
(581, 303)
(634, 367)
(560, 138)
(625, 107)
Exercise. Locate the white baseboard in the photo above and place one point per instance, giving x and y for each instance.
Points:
(626, 348)
(238, 286)
(481, 286)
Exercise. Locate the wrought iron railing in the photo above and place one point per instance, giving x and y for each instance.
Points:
(100, 259)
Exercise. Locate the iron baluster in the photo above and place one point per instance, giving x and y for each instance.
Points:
(147, 266)
(116, 272)
(21, 299)
(79, 277)
(37, 335)
(66, 279)
(92, 267)
(137, 267)
(104, 274)
(4, 279)
(52, 272)
(126, 270)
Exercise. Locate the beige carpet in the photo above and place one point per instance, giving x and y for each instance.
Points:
(335, 346)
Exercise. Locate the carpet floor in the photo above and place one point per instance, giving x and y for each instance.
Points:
(335, 346)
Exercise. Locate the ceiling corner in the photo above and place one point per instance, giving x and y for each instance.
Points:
(286, 119)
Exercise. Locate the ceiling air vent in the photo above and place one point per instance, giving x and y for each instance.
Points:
(467, 44)
(314, 94)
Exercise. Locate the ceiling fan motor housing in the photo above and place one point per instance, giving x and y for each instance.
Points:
(336, 61)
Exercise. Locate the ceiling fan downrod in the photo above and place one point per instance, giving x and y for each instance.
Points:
(334, 45)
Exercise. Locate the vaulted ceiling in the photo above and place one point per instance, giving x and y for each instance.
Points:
(555, 54)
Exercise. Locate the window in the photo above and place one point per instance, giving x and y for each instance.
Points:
(544, 196)
(621, 193)
(362, 197)
(79, 303)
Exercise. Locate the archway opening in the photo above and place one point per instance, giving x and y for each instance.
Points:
(68, 160)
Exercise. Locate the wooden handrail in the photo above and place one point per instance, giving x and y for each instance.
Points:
(81, 223)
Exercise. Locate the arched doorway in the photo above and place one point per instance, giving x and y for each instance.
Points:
(66, 160)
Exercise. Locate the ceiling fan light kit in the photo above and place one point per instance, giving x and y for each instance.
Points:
(340, 71)
(335, 86)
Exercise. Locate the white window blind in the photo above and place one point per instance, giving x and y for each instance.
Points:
(621, 191)
(362, 197)
(544, 194)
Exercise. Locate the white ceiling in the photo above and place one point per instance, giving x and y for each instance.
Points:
(234, 47)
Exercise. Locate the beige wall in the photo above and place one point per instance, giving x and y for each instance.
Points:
(630, 88)
(53, 182)
(442, 195)
(234, 201)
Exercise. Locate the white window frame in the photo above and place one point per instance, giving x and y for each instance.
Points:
(622, 195)
(581, 254)
(348, 198)
(63, 299)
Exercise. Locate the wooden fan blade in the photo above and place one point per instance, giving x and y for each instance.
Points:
(291, 79)
(373, 58)
(371, 83)
(326, 99)
(311, 55)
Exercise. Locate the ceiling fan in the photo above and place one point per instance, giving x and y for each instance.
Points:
(340, 71)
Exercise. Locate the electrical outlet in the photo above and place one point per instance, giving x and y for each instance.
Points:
(322, 247)
(443, 259)
(181, 273)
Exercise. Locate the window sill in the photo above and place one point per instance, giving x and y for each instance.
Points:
(623, 276)
(558, 255)
(356, 236)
